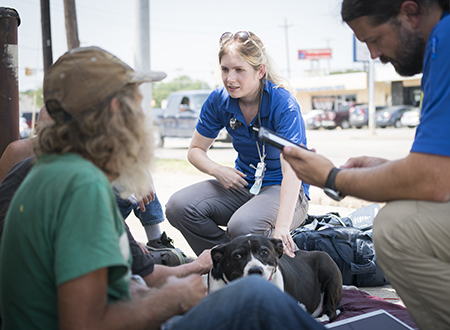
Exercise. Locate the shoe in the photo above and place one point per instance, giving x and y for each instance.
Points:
(162, 242)
(165, 244)
(167, 256)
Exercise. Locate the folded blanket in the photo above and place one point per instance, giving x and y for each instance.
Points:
(356, 302)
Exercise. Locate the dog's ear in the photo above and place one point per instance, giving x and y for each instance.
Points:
(278, 245)
(216, 255)
(218, 252)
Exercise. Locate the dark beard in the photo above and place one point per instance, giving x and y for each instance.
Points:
(409, 54)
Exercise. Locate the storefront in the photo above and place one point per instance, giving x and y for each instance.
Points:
(329, 92)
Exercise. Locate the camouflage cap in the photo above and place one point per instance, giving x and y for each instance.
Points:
(85, 77)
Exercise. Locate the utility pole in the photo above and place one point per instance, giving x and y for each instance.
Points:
(46, 34)
(9, 84)
(286, 27)
(71, 24)
(142, 48)
(371, 114)
(328, 46)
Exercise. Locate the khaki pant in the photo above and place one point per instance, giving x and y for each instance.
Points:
(412, 243)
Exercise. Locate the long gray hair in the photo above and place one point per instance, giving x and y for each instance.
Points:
(119, 143)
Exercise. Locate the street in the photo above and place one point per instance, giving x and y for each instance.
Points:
(338, 145)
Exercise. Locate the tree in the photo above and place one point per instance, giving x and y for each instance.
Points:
(162, 90)
(346, 71)
(39, 96)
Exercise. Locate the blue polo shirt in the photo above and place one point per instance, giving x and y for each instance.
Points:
(433, 134)
(280, 112)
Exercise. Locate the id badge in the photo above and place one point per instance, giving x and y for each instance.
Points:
(259, 174)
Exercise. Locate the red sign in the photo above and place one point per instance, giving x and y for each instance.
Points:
(314, 54)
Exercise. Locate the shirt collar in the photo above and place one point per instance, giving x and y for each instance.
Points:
(232, 105)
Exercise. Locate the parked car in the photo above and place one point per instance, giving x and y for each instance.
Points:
(312, 118)
(24, 129)
(391, 116)
(180, 116)
(411, 118)
(359, 116)
(331, 119)
(28, 115)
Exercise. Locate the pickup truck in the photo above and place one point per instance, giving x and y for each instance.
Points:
(180, 116)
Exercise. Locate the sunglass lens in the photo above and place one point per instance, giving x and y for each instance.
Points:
(242, 36)
(225, 37)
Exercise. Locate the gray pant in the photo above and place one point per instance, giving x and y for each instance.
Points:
(412, 243)
(197, 212)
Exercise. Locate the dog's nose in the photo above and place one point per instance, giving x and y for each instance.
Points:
(255, 270)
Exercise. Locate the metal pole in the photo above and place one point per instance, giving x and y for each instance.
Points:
(9, 81)
(71, 24)
(46, 35)
(371, 114)
(142, 49)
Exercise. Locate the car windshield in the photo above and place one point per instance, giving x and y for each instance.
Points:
(198, 100)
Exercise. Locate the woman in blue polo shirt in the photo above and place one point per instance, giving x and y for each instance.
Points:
(261, 194)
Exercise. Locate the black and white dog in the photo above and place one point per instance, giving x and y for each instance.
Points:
(312, 277)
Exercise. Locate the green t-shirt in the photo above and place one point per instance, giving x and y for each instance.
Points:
(63, 223)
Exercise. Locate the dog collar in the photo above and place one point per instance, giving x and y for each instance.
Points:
(271, 275)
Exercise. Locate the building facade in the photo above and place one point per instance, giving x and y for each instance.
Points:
(328, 92)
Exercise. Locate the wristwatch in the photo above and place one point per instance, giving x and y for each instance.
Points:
(330, 188)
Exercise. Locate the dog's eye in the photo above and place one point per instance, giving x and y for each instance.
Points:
(237, 256)
(263, 252)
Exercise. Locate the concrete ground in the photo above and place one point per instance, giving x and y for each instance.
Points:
(338, 145)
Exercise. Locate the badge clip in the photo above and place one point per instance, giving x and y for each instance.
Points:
(259, 174)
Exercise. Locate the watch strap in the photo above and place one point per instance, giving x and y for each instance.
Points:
(331, 180)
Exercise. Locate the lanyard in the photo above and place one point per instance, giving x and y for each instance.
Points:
(262, 155)
(261, 167)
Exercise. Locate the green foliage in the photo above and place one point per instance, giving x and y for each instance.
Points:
(346, 71)
(162, 90)
(39, 96)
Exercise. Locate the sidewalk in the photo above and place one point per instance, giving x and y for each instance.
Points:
(168, 182)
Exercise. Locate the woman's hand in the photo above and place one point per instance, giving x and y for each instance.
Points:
(230, 177)
(288, 243)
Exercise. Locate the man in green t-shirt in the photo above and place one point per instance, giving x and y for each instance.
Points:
(65, 254)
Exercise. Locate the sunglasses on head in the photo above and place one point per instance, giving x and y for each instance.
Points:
(241, 36)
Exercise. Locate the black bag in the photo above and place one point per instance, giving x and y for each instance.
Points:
(351, 248)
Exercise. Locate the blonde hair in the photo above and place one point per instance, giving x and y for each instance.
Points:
(254, 53)
(119, 143)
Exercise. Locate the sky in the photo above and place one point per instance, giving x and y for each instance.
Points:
(184, 34)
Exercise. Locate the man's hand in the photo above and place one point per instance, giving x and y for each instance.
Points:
(363, 162)
(137, 289)
(204, 262)
(310, 167)
(189, 291)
